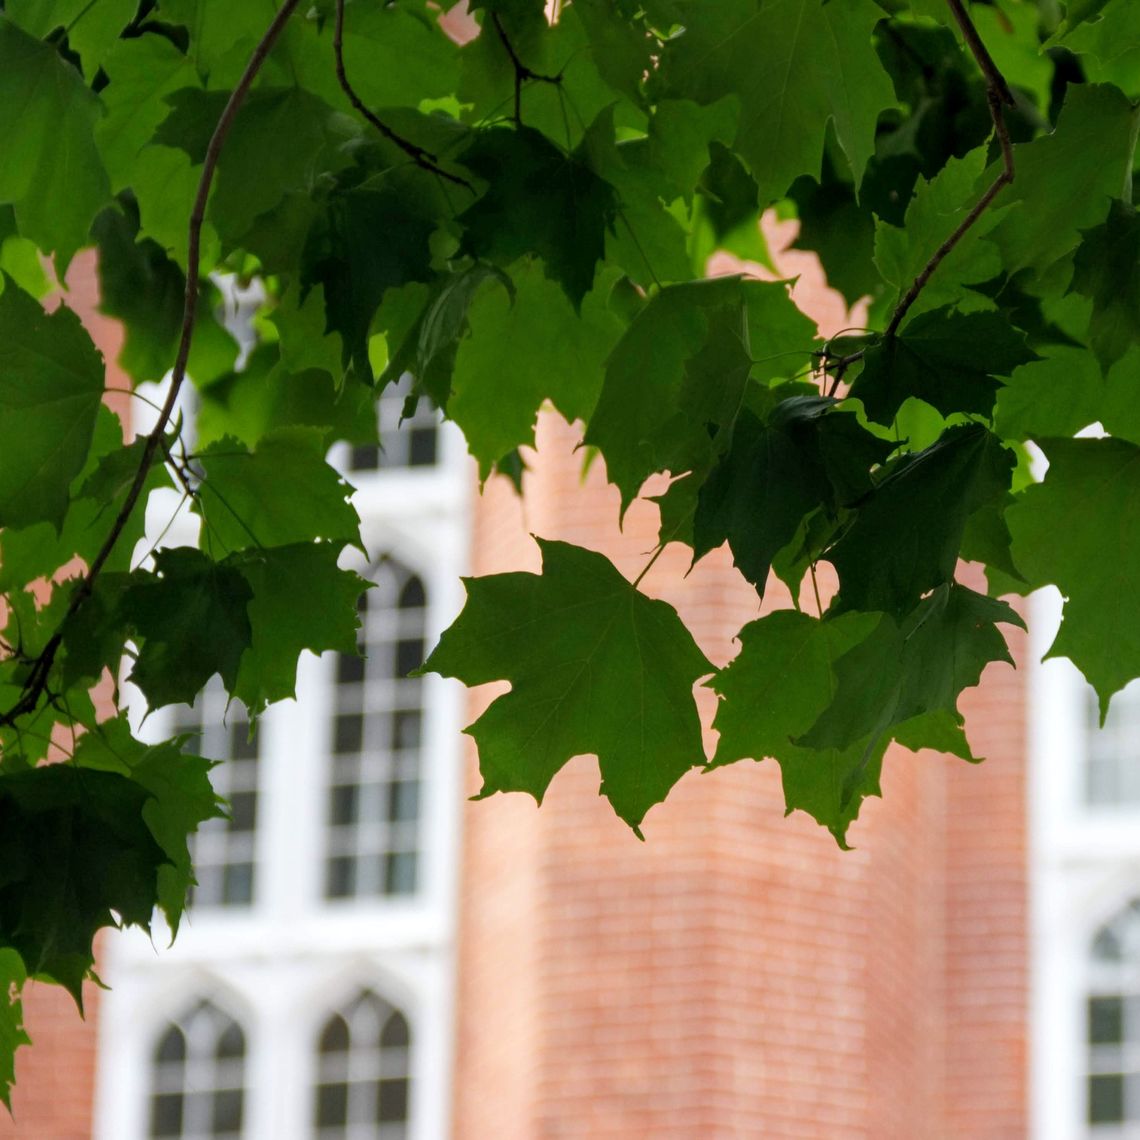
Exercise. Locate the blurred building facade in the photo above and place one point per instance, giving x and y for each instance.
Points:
(370, 957)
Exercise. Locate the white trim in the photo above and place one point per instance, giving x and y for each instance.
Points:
(283, 964)
(1084, 866)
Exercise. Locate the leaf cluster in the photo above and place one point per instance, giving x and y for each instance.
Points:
(516, 208)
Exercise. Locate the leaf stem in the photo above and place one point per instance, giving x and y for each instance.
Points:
(998, 95)
(36, 683)
(417, 154)
(522, 72)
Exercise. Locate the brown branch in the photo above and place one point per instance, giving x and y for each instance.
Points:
(998, 95)
(417, 154)
(36, 683)
(522, 72)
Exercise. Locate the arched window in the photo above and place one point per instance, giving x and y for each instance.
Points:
(1114, 1027)
(223, 850)
(409, 436)
(1112, 753)
(198, 1080)
(373, 819)
(362, 1072)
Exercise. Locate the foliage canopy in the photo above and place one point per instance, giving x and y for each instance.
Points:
(522, 214)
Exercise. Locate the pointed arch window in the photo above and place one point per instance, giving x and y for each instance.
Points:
(409, 436)
(373, 814)
(224, 850)
(198, 1077)
(363, 1066)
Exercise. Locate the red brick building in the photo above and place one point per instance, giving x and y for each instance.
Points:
(371, 956)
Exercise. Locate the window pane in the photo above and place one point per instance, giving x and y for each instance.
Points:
(1112, 752)
(1106, 1021)
(223, 849)
(409, 433)
(1106, 1099)
(374, 789)
(363, 1083)
(197, 1077)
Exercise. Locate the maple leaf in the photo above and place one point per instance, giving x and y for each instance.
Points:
(1106, 269)
(51, 382)
(951, 360)
(595, 667)
(540, 200)
(795, 66)
(1091, 496)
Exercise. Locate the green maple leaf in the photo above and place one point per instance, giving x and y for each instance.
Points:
(906, 535)
(191, 614)
(255, 170)
(919, 667)
(13, 975)
(366, 241)
(540, 200)
(523, 351)
(796, 66)
(179, 798)
(682, 366)
(51, 172)
(759, 714)
(1065, 180)
(595, 667)
(1080, 530)
(775, 473)
(74, 848)
(300, 599)
(51, 383)
(427, 347)
(282, 493)
(937, 208)
(217, 28)
(951, 360)
(92, 28)
(37, 551)
(142, 71)
(1106, 269)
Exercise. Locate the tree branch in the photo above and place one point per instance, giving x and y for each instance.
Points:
(417, 154)
(998, 95)
(522, 72)
(36, 683)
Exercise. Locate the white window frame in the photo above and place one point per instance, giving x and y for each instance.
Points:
(283, 964)
(1084, 867)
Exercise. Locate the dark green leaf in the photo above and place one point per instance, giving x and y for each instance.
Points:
(1106, 269)
(541, 201)
(282, 493)
(759, 714)
(522, 352)
(191, 615)
(51, 170)
(795, 65)
(300, 600)
(1091, 497)
(595, 667)
(74, 848)
(951, 360)
(365, 242)
(51, 382)
(179, 799)
(906, 536)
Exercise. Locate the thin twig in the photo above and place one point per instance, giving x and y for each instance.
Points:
(998, 95)
(36, 683)
(417, 154)
(841, 366)
(522, 72)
